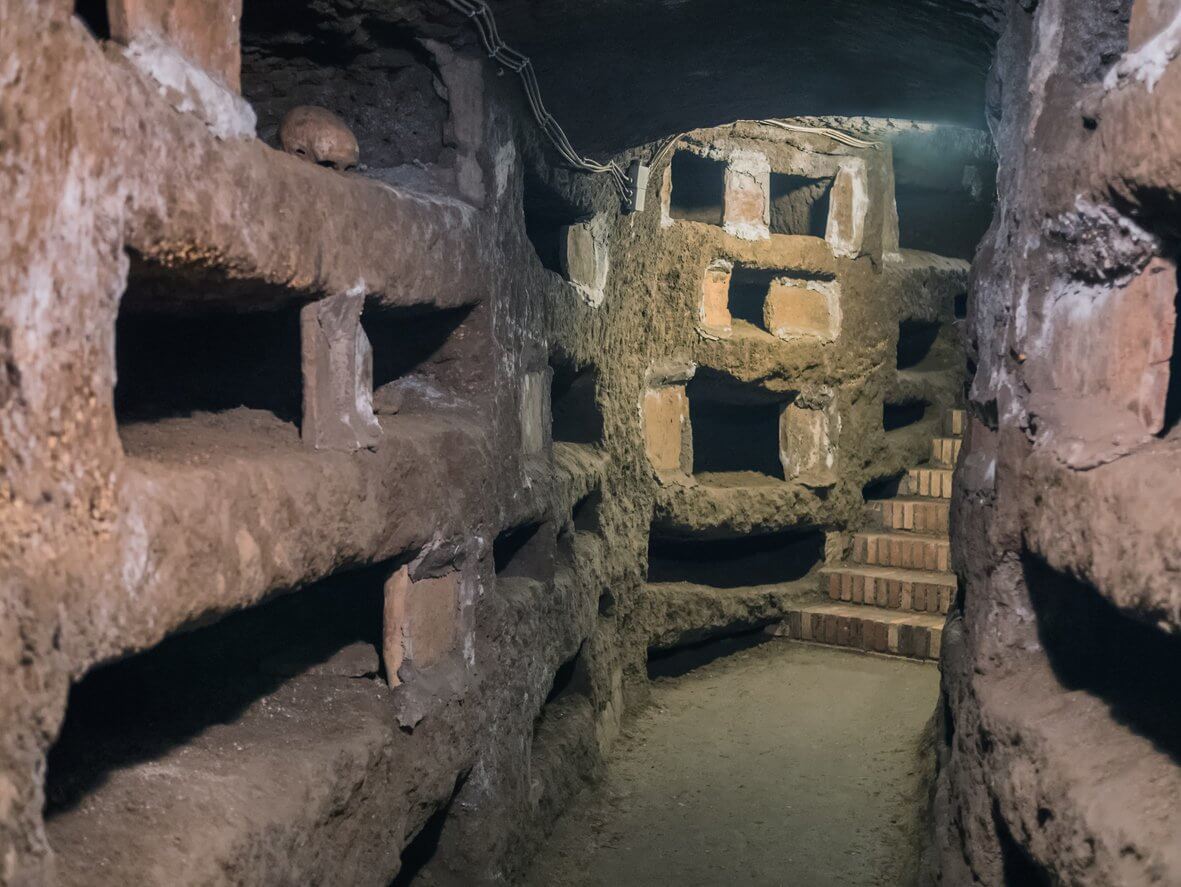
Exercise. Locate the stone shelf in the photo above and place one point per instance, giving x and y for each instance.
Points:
(221, 510)
(680, 613)
(749, 503)
(1076, 775)
(1067, 519)
(242, 211)
(272, 795)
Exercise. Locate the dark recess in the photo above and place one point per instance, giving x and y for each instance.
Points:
(406, 340)
(1017, 865)
(94, 15)
(698, 188)
(948, 223)
(138, 709)
(767, 559)
(748, 294)
(960, 306)
(916, 338)
(547, 212)
(423, 848)
(681, 660)
(734, 427)
(883, 487)
(799, 204)
(525, 551)
(901, 415)
(171, 366)
(1132, 666)
(575, 412)
(585, 514)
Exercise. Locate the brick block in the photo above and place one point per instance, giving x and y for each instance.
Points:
(419, 622)
(666, 423)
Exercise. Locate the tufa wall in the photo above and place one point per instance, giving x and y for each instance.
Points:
(341, 511)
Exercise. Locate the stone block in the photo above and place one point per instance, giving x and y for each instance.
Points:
(534, 411)
(1149, 18)
(206, 32)
(715, 297)
(849, 203)
(337, 365)
(1117, 344)
(666, 425)
(747, 196)
(419, 623)
(585, 258)
(806, 449)
(796, 307)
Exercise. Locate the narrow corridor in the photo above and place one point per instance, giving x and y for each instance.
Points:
(782, 764)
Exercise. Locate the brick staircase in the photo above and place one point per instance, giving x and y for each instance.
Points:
(893, 594)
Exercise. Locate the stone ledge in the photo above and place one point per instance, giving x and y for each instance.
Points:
(1105, 787)
(217, 522)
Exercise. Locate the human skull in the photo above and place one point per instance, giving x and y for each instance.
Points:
(319, 136)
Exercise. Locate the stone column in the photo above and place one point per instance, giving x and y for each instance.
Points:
(337, 376)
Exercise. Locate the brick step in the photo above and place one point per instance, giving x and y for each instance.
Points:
(923, 515)
(891, 588)
(916, 635)
(934, 482)
(944, 451)
(908, 550)
(954, 421)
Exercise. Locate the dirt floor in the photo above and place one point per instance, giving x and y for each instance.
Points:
(782, 764)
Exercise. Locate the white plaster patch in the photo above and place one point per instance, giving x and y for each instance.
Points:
(1044, 59)
(504, 164)
(1147, 64)
(851, 186)
(191, 90)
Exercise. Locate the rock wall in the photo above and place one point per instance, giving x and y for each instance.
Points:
(327, 497)
(1061, 761)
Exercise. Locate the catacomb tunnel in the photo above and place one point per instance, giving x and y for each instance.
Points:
(481, 442)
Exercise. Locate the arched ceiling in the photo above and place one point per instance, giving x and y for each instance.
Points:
(616, 73)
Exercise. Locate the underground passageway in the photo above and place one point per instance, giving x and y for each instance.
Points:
(478, 442)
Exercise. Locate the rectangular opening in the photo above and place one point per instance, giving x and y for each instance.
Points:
(799, 204)
(236, 373)
(94, 15)
(903, 414)
(698, 188)
(916, 344)
(735, 429)
(547, 214)
(417, 355)
(678, 661)
(883, 487)
(573, 408)
(585, 514)
(769, 559)
(226, 698)
(748, 294)
(525, 552)
(934, 220)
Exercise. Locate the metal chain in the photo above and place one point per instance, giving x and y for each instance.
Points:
(485, 24)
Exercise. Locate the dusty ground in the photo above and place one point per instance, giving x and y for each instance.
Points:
(783, 764)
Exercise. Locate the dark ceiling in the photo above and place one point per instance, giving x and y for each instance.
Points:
(616, 73)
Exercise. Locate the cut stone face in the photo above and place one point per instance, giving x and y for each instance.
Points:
(849, 202)
(715, 295)
(419, 623)
(337, 376)
(318, 136)
(534, 411)
(1117, 344)
(806, 448)
(206, 32)
(747, 197)
(802, 308)
(666, 419)
(585, 258)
